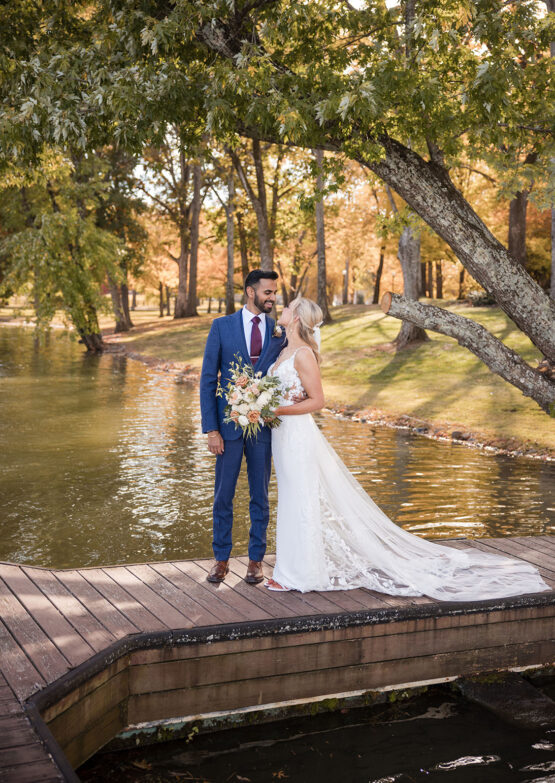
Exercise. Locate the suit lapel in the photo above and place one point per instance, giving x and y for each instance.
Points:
(240, 336)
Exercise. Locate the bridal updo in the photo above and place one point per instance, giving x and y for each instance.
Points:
(310, 317)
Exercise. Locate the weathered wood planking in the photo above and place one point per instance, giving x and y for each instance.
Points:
(85, 653)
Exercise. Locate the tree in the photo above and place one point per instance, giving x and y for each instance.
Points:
(321, 75)
(54, 247)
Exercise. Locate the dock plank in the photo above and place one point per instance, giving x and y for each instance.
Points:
(214, 607)
(124, 602)
(43, 653)
(85, 624)
(194, 613)
(52, 621)
(105, 612)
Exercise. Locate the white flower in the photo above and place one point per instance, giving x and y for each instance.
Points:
(243, 421)
(264, 399)
(243, 408)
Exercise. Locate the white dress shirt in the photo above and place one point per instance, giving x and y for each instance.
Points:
(247, 326)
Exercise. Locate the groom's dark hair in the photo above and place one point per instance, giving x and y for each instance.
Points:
(256, 275)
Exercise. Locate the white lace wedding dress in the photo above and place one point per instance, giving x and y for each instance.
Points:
(332, 536)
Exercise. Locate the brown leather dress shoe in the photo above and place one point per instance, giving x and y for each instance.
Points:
(254, 572)
(218, 571)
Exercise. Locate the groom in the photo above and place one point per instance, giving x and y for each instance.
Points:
(251, 334)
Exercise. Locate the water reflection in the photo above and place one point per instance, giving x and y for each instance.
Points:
(103, 461)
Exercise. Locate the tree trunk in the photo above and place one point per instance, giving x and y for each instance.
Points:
(439, 280)
(378, 280)
(243, 246)
(230, 226)
(496, 355)
(115, 295)
(180, 308)
(220, 303)
(161, 299)
(430, 279)
(134, 299)
(517, 226)
(125, 303)
(409, 256)
(423, 279)
(168, 300)
(191, 309)
(345, 297)
(209, 308)
(460, 293)
(321, 240)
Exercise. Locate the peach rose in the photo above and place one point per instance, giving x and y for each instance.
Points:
(253, 416)
(234, 415)
(254, 390)
(242, 381)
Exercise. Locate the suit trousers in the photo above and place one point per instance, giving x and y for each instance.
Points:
(258, 454)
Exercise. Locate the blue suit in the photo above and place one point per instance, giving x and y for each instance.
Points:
(226, 340)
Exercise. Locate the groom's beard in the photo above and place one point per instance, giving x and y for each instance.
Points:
(264, 305)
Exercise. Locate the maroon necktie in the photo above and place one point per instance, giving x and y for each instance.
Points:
(256, 340)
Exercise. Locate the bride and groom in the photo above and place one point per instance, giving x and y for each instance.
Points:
(330, 535)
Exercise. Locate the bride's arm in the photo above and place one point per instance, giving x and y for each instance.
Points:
(309, 373)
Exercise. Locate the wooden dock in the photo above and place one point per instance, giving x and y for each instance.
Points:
(87, 653)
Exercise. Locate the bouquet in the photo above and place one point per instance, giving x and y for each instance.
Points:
(251, 398)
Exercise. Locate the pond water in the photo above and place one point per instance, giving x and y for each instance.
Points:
(102, 461)
(435, 737)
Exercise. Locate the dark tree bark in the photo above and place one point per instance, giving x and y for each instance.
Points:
(117, 306)
(321, 240)
(124, 290)
(230, 239)
(180, 308)
(243, 245)
(409, 257)
(460, 293)
(429, 280)
(161, 299)
(345, 297)
(496, 355)
(423, 279)
(439, 280)
(209, 308)
(517, 226)
(378, 280)
(191, 310)
(133, 299)
(220, 303)
(168, 300)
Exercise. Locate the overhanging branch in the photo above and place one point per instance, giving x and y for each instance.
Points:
(471, 335)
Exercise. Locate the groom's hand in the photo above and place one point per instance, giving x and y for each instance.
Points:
(215, 442)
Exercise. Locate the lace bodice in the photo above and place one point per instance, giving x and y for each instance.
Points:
(289, 377)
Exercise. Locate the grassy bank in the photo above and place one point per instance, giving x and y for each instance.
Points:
(437, 382)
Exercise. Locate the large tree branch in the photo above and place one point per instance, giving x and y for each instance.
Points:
(471, 335)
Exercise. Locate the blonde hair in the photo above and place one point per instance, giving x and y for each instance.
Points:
(310, 316)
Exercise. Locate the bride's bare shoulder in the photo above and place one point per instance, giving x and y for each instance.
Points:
(305, 359)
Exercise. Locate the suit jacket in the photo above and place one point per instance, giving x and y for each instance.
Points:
(225, 340)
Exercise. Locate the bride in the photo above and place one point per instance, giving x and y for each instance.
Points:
(330, 534)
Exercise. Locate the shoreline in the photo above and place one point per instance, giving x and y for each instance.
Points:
(443, 432)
